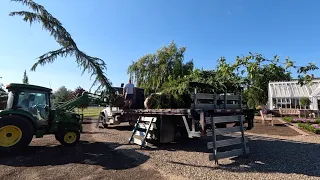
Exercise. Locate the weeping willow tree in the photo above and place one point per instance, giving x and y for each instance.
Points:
(166, 77)
(160, 72)
(153, 70)
(93, 65)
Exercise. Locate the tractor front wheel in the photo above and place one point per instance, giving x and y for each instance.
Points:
(68, 137)
(16, 133)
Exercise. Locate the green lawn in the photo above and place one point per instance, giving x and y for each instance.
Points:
(91, 111)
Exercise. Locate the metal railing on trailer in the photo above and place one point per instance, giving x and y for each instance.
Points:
(214, 118)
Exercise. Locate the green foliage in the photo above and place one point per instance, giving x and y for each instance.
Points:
(61, 95)
(166, 72)
(25, 79)
(257, 91)
(288, 119)
(315, 129)
(305, 102)
(93, 65)
(254, 72)
(153, 70)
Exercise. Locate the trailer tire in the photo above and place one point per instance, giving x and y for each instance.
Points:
(16, 133)
(183, 133)
(57, 137)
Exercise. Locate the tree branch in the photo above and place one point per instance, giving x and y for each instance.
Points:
(93, 65)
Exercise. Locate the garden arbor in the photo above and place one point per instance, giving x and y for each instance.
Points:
(289, 93)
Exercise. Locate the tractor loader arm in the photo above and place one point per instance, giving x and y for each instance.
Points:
(78, 100)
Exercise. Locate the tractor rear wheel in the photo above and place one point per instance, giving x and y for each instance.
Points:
(16, 132)
(68, 137)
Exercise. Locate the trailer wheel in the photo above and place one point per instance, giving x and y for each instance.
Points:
(16, 132)
(183, 133)
(57, 137)
(68, 137)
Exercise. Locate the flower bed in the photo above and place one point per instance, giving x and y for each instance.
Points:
(315, 128)
(302, 120)
(309, 124)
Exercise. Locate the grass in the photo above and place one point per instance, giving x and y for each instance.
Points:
(90, 111)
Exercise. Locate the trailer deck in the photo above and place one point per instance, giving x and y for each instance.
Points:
(182, 111)
(155, 111)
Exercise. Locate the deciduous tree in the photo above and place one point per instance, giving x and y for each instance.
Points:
(62, 95)
(78, 92)
(254, 72)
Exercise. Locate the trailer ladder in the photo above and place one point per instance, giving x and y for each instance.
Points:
(215, 144)
(142, 129)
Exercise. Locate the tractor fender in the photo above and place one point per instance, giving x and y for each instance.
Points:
(21, 113)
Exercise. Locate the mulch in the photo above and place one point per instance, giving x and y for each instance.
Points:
(279, 129)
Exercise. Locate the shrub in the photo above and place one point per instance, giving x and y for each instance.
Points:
(288, 119)
(315, 128)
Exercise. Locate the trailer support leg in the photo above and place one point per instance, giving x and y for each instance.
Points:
(191, 133)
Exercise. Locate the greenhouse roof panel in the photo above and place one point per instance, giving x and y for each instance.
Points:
(293, 89)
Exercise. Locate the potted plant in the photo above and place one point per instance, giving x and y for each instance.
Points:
(305, 102)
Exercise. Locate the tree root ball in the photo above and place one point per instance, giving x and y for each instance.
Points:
(161, 101)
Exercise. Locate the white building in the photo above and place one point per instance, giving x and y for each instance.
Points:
(287, 94)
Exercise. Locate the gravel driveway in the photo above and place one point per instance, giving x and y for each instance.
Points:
(45, 159)
(105, 154)
(271, 157)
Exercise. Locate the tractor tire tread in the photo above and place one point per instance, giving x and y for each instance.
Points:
(25, 126)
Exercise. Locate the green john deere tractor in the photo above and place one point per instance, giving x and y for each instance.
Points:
(29, 113)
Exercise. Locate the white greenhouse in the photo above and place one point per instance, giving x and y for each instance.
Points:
(288, 94)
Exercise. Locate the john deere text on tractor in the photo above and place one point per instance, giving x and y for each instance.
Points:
(29, 112)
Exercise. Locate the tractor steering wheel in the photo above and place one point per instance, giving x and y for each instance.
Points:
(40, 109)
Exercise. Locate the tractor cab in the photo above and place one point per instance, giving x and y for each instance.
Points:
(34, 100)
(29, 113)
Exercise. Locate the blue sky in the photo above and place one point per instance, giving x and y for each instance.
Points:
(120, 32)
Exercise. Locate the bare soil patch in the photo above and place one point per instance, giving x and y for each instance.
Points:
(278, 129)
